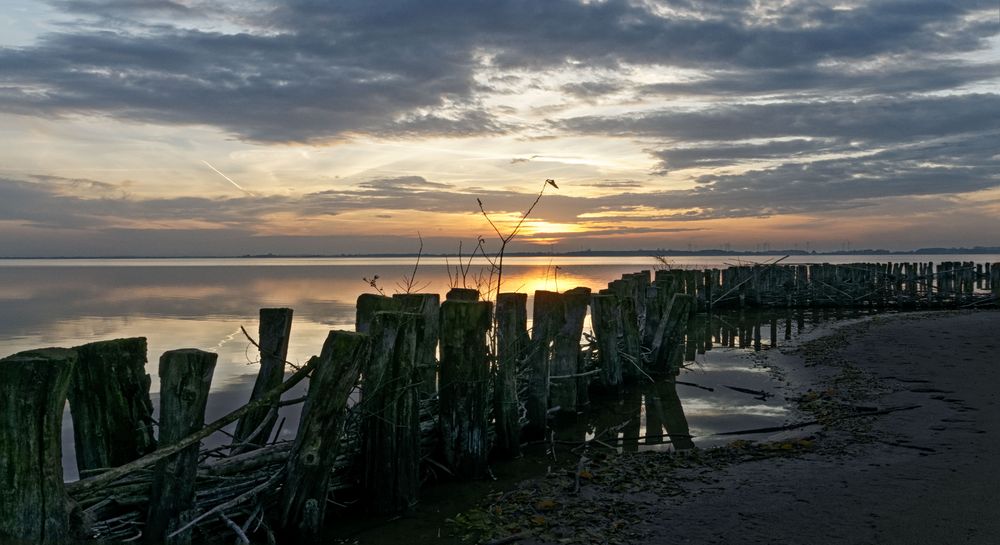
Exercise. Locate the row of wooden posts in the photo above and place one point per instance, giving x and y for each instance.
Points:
(902, 285)
(454, 383)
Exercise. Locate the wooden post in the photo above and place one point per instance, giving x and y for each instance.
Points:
(632, 361)
(512, 347)
(254, 429)
(669, 349)
(462, 294)
(390, 425)
(995, 281)
(185, 378)
(317, 443)
(605, 317)
(547, 319)
(109, 400)
(33, 501)
(427, 305)
(464, 393)
(368, 304)
(566, 350)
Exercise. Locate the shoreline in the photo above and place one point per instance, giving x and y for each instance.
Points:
(906, 403)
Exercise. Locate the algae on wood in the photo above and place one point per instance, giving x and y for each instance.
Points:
(512, 344)
(427, 305)
(390, 425)
(465, 386)
(185, 379)
(33, 501)
(317, 444)
(109, 401)
(254, 429)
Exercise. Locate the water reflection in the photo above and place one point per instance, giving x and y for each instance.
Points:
(204, 306)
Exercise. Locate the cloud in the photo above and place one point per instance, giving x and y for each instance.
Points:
(308, 71)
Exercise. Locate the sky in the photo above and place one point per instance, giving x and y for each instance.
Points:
(193, 127)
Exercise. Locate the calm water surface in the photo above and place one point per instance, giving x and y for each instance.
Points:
(202, 303)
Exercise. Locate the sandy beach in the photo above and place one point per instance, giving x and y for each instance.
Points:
(924, 469)
(926, 475)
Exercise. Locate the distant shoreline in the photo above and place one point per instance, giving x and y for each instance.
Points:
(583, 253)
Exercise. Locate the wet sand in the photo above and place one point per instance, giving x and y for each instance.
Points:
(926, 475)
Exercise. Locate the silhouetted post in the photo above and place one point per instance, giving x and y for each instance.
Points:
(390, 425)
(464, 393)
(317, 443)
(33, 501)
(427, 305)
(274, 330)
(995, 280)
(109, 400)
(547, 319)
(462, 294)
(512, 347)
(185, 379)
(566, 350)
(632, 362)
(368, 304)
(605, 318)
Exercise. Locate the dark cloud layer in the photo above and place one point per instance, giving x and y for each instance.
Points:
(309, 70)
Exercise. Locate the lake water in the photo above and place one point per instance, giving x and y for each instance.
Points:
(202, 303)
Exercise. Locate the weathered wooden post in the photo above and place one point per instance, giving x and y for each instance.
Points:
(605, 318)
(390, 424)
(427, 305)
(512, 345)
(185, 379)
(632, 361)
(274, 330)
(464, 392)
(995, 281)
(547, 319)
(33, 501)
(317, 443)
(109, 400)
(566, 350)
(368, 304)
(462, 294)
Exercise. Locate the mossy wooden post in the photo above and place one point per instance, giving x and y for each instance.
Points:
(33, 501)
(566, 350)
(464, 393)
(302, 506)
(995, 281)
(512, 346)
(670, 352)
(274, 330)
(427, 305)
(462, 294)
(390, 425)
(368, 304)
(605, 318)
(185, 379)
(109, 400)
(547, 319)
(631, 334)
